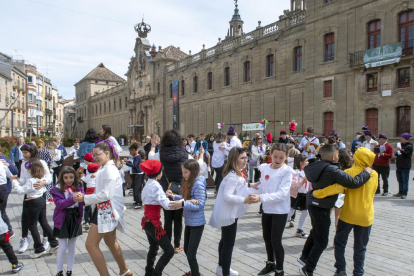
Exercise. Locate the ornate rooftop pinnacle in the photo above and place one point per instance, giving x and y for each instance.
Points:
(236, 15)
(142, 29)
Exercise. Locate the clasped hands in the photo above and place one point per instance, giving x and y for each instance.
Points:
(252, 198)
(38, 185)
(79, 197)
(178, 203)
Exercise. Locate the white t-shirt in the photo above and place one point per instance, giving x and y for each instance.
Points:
(28, 188)
(217, 161)
(4, 173)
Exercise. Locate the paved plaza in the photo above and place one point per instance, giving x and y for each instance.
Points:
(390, 249)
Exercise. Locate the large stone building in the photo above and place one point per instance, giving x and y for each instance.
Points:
(308, 66)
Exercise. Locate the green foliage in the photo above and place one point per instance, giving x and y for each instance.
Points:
(208, 136)
(68, 142)
(6, 143)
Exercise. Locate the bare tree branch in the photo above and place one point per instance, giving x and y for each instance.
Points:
(8, 110)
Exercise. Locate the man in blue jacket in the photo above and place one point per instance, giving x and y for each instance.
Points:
(16, 155)
(5, 191)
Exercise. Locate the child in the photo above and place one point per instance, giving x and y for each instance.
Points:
(67, 217)
(230, 205)
(30, 151)
(323, 174)
(357, 213)
(6, 246)
(291, 155)
(109, 212)
(142, 153)
(203, 161)
(284, 138)
(192, 200)
(137, 174)
(89, 180)
(298, 190)
(36, 208)
(201, 142)
(154, 198)
(273, 191)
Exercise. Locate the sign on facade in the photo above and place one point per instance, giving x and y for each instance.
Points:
(249, 127)
(175, 104)
(384, 55)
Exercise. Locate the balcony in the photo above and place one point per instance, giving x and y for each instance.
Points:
(48, 96)
(48, 111)
(16, 84)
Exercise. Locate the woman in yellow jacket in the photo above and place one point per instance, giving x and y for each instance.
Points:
(357, 213)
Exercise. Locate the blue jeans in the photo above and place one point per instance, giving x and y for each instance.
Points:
(361, 237)
(251, 173)
(402, 177)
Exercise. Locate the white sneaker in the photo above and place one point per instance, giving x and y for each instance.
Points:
(46, 244)
(53, 249)
(37, 255)
(219, 271)
(291, 223)
(24, 243)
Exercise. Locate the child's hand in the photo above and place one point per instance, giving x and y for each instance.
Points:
(194, 201)
(254, 198)
(304, 180)
(14, 177)
(254, 185)
(169, 193)
(176, 204)
(368, 169)
(39, 184)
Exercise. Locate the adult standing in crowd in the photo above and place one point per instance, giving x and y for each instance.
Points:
(369, 142)
(56, 171)
(284, 138)
(147, 147)
(249, 152)
(258, 154)
(171, 155)
(88, 144)
(5, 191)
(217, 161)
(106, 134)
(356, 143)
(16, 155)
(47, 154)
(307, 141)
(233, 140)
(383, 153)
(404, 156)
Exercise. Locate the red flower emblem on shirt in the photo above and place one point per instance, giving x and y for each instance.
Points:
(267, 177)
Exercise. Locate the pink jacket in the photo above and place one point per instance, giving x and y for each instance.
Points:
(296, 185)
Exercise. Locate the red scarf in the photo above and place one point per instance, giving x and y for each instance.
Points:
(153, 213)
(306, 183)
(70, 189)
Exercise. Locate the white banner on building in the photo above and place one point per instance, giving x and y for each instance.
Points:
(248, 127)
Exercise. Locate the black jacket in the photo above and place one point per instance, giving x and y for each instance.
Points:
(323, 174)
(147, 149)
(171, 159)
(284, 141)
(404, 159)
(210, 147)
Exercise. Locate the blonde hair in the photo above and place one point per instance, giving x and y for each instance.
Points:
(293, 152)
(50, 144)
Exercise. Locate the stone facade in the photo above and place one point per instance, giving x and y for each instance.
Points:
(306, 66)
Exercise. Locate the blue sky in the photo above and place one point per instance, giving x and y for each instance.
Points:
(67, 39)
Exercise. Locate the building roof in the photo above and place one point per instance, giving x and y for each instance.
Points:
(174, 53)
(102, 73)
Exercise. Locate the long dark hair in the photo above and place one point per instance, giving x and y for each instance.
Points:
(297, 160)
(171, 138)
(194, 169)
(231, 164)
(107, 132)
(34, 153)
(91, 136)
(345, 159)
(68, 170)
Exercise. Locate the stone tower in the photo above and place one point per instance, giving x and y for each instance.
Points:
(236, 24)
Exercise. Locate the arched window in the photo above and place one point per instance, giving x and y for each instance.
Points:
(195, 84)
(328, 123)
(114, 105)
(104, 107)
(209, 80)
(171, 90)
(158, 87)
(371, 117)
(227, 76)
(406, 32)
(109, 106)
(329, 47)
(247, 72)
(182, 87)
(126, 102)
(100, 109)
(270, 72)
(120, 104)
(96, 109)
(374, 34)
(298, 58)
(403, 120)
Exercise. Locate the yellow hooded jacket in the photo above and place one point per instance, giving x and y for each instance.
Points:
(358, 207)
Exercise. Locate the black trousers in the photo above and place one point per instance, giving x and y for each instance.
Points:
(219, 176)
(226, 245)
(318, 238)
(176, 217)
(273, 226)
(8, 249)
(384, 173)
(36, 212)
(256, 175)
(137, 180)
(87, 214)
(166, 246)
(19, 165)
(192, 238)
(24, 220)
(56, 172)
(4, 196)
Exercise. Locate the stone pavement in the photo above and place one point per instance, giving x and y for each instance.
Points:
(390, 250)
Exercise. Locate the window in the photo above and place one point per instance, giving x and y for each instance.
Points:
(182, 88)
(406, 34)
(195, 81)
(329, 1)
(372, 82)
(114, 105)
(227, 76)
(96, 109)
(30, 79)
(106, 82)
(158, 87)
(109, 106)
(374, 34)
(270, 63)
(371, 116)
(96, 81)
(327, 89)
(100, 109)
(298, 58)
(328, 120)
(171, 92)
(120, 104)
(126, 102)
(247, 71)
(403, 120)
(403, 77)
(104, 107)
(210, 81)
(329, 47)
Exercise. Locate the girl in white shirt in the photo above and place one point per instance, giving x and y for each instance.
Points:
(274, 190)
(106, 133)
(109, 212)
(230, 205)
(36, 208)
(217, 160)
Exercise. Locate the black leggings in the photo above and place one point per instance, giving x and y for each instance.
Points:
(256, 175)
(226, 245)
(192, 238)
(3, 204)
(176, 217)
(273, 226)
(219, 177)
